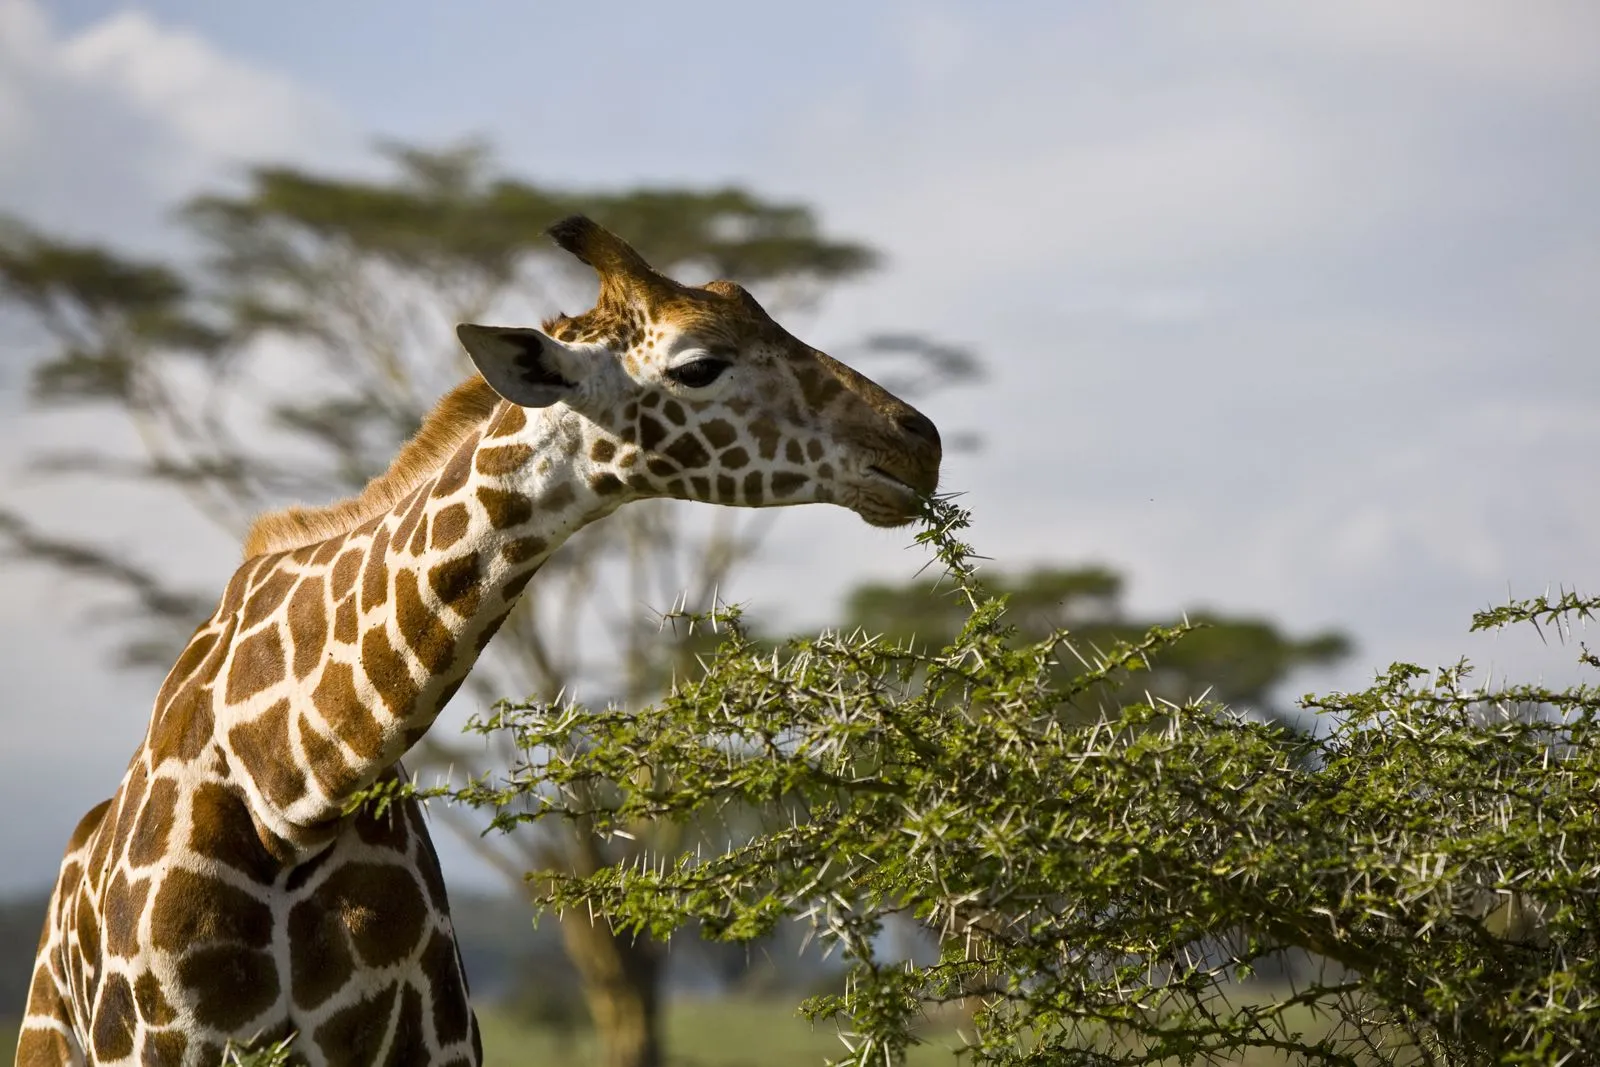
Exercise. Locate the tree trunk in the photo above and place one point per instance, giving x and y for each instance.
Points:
(621, 987)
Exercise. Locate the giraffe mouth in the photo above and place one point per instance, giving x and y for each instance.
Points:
(887, 500)
(885, 476)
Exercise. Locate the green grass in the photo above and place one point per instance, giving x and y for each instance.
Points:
(710, 1033)
(700, 1033)
(704, 1033)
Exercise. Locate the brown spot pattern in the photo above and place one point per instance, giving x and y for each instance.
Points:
(319, 953)
(333, 773)
(511, 420)
(152, 1003)
(257, 665)
(132, 796)
(688, 452)
(114, 1019)
(233, 595)
(344, 573)
(767, 437)
(504, 460)
(193, 655)
(308, 625)
(164, 1046)
(149, 841)
(419, 539)
(345, 621)
(260, 745)
(88, 929)
(455, 474)
(361, 1026)
(651, 433)
(191, 909)
(450, 524)
(409, 1046)
(265, 600)
(231, 986)
(375, 575)
(719, 433)
(182, 727)
(450, 1018)
(302, 875)
(514, 585)
(388, 671)
(429, 638)
(455, 581)
(124, 903)
(338, 703)
(413, 515)
(505, 509)
(381, 906)
(221, 829)
(785, 483)
(491, 628)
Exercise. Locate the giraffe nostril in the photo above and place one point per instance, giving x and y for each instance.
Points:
(917, 424)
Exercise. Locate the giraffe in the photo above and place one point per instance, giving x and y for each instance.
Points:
(224, 892)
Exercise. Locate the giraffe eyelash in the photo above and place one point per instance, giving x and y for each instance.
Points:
(698, 373)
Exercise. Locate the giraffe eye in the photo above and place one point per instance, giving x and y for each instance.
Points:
(699, 373)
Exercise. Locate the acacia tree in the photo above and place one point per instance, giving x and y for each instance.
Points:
(1239, 661)
(306, 343)
(1103, 889)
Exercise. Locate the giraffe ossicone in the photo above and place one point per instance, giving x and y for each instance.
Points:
(222, 893)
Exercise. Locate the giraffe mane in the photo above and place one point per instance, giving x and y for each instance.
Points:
(458, 414)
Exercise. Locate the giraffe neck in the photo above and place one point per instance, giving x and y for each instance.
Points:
(341, 655)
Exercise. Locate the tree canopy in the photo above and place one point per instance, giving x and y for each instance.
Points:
(1240, 661)
(1103, 890)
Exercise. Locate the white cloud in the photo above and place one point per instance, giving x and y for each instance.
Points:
(214, 103)
(102, 131)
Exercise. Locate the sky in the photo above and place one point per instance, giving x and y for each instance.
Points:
(1287, 309)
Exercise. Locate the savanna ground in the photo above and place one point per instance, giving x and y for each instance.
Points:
(727, 1032)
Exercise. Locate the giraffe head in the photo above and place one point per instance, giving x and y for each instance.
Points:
(696, 393)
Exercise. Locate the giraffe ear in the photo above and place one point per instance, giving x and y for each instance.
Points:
(524, 366)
